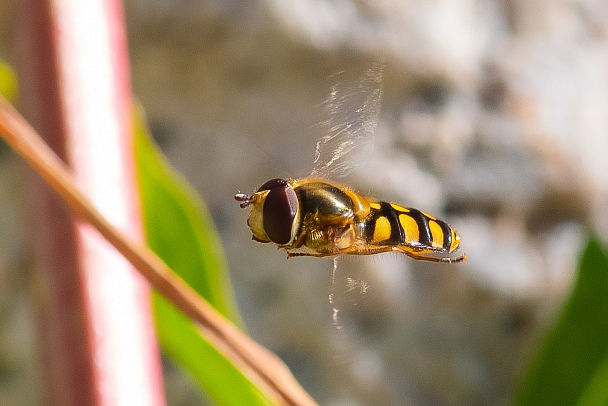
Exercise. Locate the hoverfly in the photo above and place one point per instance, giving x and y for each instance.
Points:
(317, 217)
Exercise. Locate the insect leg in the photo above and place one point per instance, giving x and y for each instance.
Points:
(422, 257)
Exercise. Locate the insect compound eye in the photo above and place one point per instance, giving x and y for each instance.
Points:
(271, 184)
(280, 208)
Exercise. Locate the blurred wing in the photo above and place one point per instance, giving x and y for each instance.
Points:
(352, 109)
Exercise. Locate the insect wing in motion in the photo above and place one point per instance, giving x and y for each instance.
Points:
(352, 111)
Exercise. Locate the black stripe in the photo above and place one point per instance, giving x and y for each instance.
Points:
(369, 225)
(422, 221)
(392, 215)
(447, 234)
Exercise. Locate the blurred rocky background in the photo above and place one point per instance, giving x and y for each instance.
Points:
(494, 118)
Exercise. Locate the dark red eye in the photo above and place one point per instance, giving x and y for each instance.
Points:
(271, 184)
(279, 211)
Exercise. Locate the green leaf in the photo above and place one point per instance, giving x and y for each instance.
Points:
(596, 392)
(221, 380)
(180, 230)
(8, 83)
(573, 354)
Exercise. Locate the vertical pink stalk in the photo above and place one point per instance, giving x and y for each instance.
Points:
(99, 345)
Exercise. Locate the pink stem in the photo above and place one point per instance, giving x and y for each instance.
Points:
(99, 346)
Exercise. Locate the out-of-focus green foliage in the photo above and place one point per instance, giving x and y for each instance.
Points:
(572, 366)
(596, 392)
(8, 90)
(8, 83)
(180, 230)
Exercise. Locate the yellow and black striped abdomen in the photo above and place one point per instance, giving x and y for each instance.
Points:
(391, 224)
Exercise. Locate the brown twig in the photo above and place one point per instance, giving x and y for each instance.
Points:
(261, 366)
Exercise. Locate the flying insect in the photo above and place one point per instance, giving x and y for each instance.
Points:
(315, 216)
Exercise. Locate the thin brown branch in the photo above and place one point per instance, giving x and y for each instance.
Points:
(257, 363)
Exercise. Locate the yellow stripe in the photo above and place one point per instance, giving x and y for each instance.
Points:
(436, 234)
(455, 240)
(382, 231)
(374, 205)
(399, 208)
(410, 228)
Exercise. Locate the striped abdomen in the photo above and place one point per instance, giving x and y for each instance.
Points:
(391, 224)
